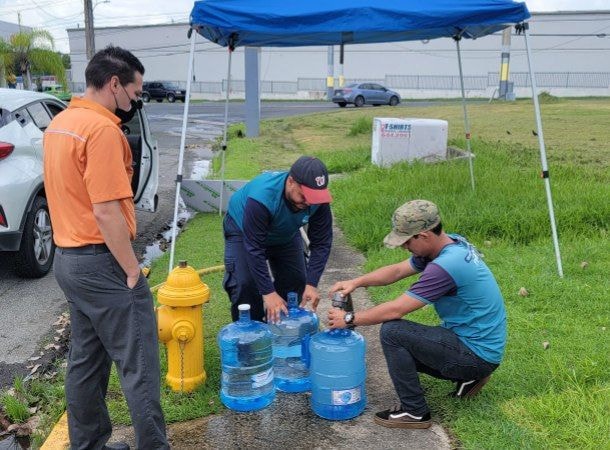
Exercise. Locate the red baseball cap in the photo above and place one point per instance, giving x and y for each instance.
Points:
(312, 175)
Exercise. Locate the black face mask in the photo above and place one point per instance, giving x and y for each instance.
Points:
(126, 116)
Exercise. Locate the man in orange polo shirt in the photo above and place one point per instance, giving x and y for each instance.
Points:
(87, 169)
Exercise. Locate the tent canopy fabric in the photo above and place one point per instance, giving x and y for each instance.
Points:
(281, 23)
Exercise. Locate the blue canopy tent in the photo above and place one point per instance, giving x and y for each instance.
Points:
(281, 23)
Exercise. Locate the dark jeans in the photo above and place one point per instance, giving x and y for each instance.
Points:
(410, 348)
(287, 264)
(109, 322)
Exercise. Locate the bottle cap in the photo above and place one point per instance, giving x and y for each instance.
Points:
(244, 307)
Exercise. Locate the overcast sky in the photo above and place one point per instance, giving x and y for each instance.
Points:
(57, 15)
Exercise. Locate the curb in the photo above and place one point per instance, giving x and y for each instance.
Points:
(58, 438)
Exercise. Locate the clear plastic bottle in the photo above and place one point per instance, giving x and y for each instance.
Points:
(246, 355)
(291, 347)
(338, 374)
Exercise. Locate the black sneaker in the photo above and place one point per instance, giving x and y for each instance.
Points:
(116, 446)
(397, 418)
(470, 388)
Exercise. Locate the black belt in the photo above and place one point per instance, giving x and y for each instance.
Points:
(90, 249)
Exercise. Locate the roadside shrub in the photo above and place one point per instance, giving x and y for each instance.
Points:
(347, 160)
(362, 125)
(545, 97)
(15, 409)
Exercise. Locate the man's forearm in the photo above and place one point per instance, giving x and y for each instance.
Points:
(112, 225)
(385, 275)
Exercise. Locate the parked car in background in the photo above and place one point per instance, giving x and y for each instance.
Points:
(160, 90)
(58, 91)
(26, 232)
(360, 94)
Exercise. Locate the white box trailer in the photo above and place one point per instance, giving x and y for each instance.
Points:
(408, 139)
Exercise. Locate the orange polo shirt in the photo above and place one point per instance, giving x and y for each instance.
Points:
(87, 160)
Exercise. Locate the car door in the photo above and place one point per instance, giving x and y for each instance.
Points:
(156, 90)
(145, 162)
(379, 94)
(365, 91)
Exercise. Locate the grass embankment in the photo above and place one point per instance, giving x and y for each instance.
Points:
(555, 395)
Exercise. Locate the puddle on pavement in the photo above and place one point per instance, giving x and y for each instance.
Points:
(199, 171)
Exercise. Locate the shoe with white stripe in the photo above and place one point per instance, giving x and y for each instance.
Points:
(396, 417)
(470, 388)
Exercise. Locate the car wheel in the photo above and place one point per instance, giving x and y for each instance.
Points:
(393, 101)
(171, 98)
(341, 105)
(35, 256)
(145, 97)
(359, 101)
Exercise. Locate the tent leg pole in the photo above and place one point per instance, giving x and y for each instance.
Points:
(185, 114)
(545, 167)
(224, 135)
(466, 121)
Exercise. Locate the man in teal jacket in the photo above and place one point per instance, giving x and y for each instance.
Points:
(262, 234)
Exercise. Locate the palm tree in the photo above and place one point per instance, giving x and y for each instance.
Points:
(34, 49)
(6, 62)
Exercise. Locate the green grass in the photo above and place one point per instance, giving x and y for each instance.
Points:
(16, 408)
(539, 398)
(46, 396)
(362, 125)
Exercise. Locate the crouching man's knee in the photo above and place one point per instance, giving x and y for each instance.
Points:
(388, 330)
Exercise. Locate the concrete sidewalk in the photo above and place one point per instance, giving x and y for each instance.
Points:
(289, 421)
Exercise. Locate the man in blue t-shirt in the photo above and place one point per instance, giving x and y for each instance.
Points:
(469, 343)
(262, 235)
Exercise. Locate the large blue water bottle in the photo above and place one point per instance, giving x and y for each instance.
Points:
(338, 374)
(246, 355)
(291, 347)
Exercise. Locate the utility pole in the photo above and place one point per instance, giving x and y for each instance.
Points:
(330, 79)
(89, 30)
(505, 91)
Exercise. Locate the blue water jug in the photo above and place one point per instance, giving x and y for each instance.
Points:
(291, 347)
(246, 355)
(338, 373)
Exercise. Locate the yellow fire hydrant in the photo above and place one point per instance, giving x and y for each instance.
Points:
(180, 322)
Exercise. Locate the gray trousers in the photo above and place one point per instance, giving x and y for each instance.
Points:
(110, 323)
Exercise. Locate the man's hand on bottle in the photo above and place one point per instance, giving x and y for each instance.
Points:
(336, 318)
(343, 287)
(310, 295)
(274, 305)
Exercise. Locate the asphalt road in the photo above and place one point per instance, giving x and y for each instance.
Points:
(28, 308)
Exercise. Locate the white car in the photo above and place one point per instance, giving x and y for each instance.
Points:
(25, 225)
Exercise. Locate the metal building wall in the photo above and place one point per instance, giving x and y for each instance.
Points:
(561, 42)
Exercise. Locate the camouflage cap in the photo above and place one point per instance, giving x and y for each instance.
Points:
(410, 219)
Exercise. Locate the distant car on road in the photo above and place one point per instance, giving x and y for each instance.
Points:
(360, 94)
(58, 91)
(160, 90)
(25, 224)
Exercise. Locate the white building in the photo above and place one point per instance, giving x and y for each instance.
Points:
(7, 29)
(571, 52)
